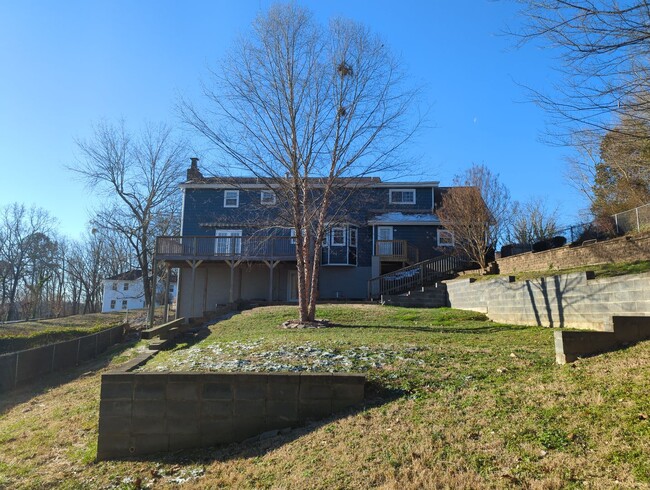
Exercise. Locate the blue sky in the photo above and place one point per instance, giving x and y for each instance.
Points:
(66, 65)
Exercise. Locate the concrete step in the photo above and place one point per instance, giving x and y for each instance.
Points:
(160, 330)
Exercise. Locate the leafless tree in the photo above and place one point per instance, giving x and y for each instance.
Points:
(139, 176)
(533, 221)
(89, 263)
(477, 212)
(604, 49)
(25, 254)
(308, 110)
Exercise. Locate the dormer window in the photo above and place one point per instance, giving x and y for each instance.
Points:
(267, 198)
(231, 199)
(401, 196)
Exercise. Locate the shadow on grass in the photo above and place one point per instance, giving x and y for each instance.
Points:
(23, 394)
(256, 446)
(482, 330)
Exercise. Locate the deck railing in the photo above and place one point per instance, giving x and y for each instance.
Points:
(414, 276)
(396, 250)
(226, 247)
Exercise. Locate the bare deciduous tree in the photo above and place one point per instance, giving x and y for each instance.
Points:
(604, 47)
(307, 110)
(532, 221)
(604, 50)
(139, 177)
(477, 212)
(25, 254)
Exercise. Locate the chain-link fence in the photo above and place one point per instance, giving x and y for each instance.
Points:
(633, 220)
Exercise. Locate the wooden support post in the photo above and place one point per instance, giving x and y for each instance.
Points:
(152, 306)
(231, 298)
(193, 264)
(193, 287)
(271, 265)
(169, 271)
(205, 291)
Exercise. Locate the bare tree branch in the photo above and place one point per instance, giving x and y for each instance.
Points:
(309, 111)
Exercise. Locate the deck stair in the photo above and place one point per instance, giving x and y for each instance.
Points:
(162, 330)
(414, 279)
(433, 296)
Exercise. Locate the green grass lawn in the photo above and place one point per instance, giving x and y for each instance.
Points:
(26, 335)
(599, 270)
(457, 402)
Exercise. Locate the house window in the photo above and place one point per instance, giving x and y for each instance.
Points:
(401, 196)
(293, 236)
(338, 237)
(112, 304)
(267, 197)
(124, 304)
(445, 238)
(228, 242)
(114, 286)
(126, 286)
(231, 199)
(353, 237)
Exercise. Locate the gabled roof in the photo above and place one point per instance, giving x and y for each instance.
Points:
(131, 275)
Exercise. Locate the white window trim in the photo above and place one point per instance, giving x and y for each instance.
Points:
(451, 233)
(227, 234)
(292, 234)
(112, 304)
(353, 232)
(125, 287)
(343, 230)
(390, 196)
(125, 304)
(225, 199)
(267, 193)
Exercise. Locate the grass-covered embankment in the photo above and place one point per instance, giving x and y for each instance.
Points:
(466, 404)
(26, 335)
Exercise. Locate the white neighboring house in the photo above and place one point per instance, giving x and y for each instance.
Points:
(126, 291)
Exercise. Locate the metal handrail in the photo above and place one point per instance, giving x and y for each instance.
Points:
(416, 275)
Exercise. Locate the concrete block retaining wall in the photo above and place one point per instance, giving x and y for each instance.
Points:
(570, 345)
(628, 248)
(143, 413)
(21, 367)
(571, 300)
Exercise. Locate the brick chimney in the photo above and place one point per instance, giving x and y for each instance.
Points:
(193, 173)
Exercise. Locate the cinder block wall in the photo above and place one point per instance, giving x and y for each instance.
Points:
(570, 345)
(570, 300)
(21, 367)
(143, 413)
(628, 249)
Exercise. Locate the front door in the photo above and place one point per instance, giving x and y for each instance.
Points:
(292, 286)
(385, 237)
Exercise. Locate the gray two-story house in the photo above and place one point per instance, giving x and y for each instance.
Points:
(235, 244)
